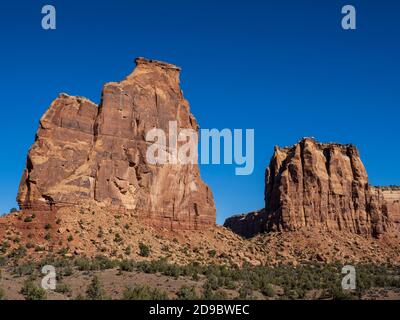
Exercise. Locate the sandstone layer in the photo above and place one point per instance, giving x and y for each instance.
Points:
(87, 152)
(391, 194)
(314, 185)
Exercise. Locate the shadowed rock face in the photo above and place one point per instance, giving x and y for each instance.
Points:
(315, 185)
(85, 152)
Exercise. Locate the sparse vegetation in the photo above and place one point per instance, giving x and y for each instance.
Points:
(187, 293)
(212, 281)
(144, 293)
(32, 292)
(63, 288)
(95, 290)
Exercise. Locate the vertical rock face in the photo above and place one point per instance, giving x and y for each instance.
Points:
(85, 152)
(316, 185)
(392, 198)
(322, 185)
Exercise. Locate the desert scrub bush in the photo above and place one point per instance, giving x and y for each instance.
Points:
(70, 238)
(24, 269)
(63, 288)
(47, 226)
(39, 248)
(126, 265)
(63, 251)
(245, 292)
(4, 246)
(28, 219)
(17, 253)
(118, 238)
(3, 261)
(98, 263)
(144, 250)
(83, 264)
(267, 290)
(187, 293)
(172, 270)
(212, 253)
(144, 293)
(104, 263)
(210, 294)
(95, 290)
(31, 291)
(128, 250)
(212, 281)
(337, 293)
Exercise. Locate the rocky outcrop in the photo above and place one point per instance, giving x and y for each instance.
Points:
(247, 224)
(87, 152)
(316, 185)
(391, 195)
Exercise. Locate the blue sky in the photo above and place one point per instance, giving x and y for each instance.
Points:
(285, 68)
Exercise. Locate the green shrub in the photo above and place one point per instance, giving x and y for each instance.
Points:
(128, 250)
(144, 250)
(4, 246)
(63, 288)
(104, 263)
(212, 253)
(268, 290)
(32, 292)
(3, 261)
(25, 269)
(118, 238)
(144, 293)
(19, 252)
(126, 265)
(83, 264)
(95, 290)
(187, 293)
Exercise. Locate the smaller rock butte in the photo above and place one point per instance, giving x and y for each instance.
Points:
(320, 185)
(85, 152)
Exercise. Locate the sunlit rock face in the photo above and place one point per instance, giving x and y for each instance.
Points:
(313, 185)
(88, 152)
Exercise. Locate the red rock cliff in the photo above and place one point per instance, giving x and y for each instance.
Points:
(85, 152)
(316, 185)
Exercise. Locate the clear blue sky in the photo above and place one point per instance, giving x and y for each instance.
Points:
(284, 68)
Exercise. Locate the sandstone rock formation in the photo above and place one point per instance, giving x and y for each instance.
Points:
(315, 185)
(87, 152)
(392, 197)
